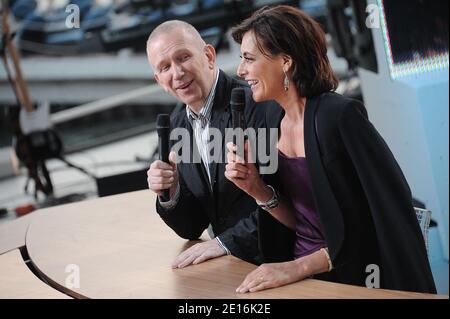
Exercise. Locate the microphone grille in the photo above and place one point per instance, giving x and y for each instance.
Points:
(237, 99)
(163, 120)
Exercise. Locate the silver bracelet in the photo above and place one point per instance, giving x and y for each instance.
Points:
(271, 203)
(330, 264)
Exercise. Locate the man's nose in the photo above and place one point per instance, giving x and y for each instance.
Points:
(178, 72)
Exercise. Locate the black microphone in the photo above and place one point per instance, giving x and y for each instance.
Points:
(237, 115)
(163, 129)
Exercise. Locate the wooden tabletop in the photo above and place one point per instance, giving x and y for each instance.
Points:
(13, 233)
(18, 282)
(124, 250)
(118, 247)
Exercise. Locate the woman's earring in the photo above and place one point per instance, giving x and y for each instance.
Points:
(286, 81)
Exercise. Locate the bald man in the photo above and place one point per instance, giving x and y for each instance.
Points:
(200, 195)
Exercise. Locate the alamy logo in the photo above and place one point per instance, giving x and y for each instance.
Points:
(73, 19)
(373, 19)
(262, 144)
(73, 279)
(373, 279)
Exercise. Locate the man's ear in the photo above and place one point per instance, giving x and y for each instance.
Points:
(210, 53)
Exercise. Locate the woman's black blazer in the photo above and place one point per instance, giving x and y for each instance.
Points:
(362, 198)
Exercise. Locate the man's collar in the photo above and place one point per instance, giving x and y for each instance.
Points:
(205, 112)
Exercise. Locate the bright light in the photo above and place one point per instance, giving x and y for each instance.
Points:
(418, 64)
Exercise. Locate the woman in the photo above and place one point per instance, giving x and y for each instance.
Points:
(339, 207)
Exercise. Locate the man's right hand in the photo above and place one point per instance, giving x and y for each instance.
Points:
(199, 253)
(162, 176)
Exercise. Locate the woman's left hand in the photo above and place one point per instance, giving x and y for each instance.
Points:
(271, 275)
(280, 274)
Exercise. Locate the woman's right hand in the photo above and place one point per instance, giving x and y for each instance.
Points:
(245, 175)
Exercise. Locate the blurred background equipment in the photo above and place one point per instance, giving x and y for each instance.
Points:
(34, 141)
(108, 26)
(408, 101)
(351, 40)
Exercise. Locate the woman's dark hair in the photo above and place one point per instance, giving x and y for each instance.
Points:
(288, 30)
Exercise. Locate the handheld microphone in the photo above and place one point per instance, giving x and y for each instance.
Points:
(163, 129)
(238, 120)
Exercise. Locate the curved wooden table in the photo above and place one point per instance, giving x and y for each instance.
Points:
(18, 282)
(121, 248)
